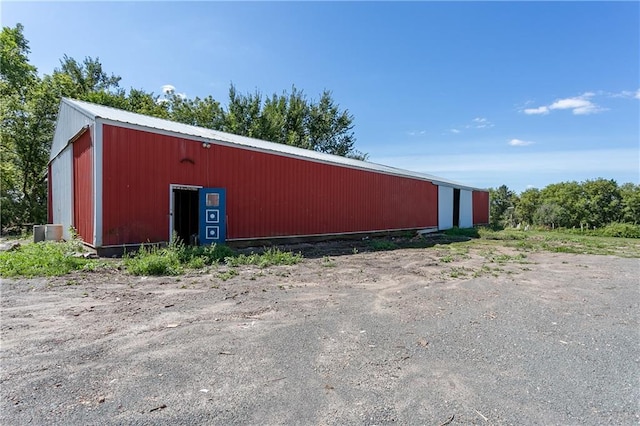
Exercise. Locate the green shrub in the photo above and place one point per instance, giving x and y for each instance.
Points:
(43, 259)
(154, 261)
(621, 230)
(205, 255)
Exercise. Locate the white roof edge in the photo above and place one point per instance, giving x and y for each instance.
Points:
(115, 115)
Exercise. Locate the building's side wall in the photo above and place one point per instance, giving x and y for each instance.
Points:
(480, 207)
(62, 190)
(83, 187)
(267, 195)
(445, 207)
(466, 209)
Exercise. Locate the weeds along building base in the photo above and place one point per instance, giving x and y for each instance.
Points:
(121, 179)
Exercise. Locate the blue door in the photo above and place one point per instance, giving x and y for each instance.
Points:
(212, 227)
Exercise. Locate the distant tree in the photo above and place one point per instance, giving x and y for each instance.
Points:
(550, 215)
(571, 197)
(603, 202)
(630, 194)
(527, 204)
(502, 206)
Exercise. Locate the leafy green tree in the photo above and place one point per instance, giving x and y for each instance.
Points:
(87, 77)
(603, 202)
(502, 207)
(205, 112)
(330, 130)
(550, 214)
(570, 196)
(527, 204)
(293, 120)
(21, 131)
(243, 114)
(630, 194)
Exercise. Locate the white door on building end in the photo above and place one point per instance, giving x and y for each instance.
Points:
(466, 209)
(445, 207)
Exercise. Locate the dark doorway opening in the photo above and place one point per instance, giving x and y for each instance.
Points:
(456, 207)
(185, 215)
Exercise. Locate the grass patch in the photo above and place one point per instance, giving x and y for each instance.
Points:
(561, 241)
(462, 232)
(269, 257)
(44, 259)
(199, 256)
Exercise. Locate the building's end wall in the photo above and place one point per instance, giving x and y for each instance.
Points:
(480, 207)
(62, 190)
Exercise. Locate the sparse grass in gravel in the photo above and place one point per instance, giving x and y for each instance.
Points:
(381, 244)
(560, 242)
(269, 257)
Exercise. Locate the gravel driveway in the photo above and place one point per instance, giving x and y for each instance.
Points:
(401, 337)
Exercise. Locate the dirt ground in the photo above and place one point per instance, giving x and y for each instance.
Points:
(430, 336)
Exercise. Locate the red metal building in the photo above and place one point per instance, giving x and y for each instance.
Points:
(121, 178)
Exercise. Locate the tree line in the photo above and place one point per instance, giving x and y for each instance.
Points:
(29, 106)
(589, 204)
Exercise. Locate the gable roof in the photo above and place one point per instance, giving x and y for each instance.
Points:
(148, 123)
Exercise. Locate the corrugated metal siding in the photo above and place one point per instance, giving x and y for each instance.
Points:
(466, 209)
(49, 196)
(83, 187)
(70, 122)
(62, 190)
(267, 195)
(445, 207)
(480, 207)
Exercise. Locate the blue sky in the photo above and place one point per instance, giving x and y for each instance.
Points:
(517, 93)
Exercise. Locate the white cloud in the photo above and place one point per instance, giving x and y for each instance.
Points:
(536, 111)
(625, 94)
(455, 131)
(579, 105)
(416, 132)
(168, 88)
(519, 142)
(481, 123)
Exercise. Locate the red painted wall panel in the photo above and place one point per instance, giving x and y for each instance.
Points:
(267, 195)
(480, 207)
(83, 187)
